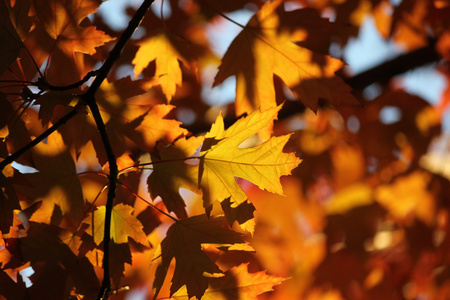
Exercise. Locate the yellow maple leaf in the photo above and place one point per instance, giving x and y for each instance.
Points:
(265, 48)
(123, 225)
(222, 160)
(161, 49)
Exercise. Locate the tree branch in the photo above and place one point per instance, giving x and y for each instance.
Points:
(89, 97)
(386, 71)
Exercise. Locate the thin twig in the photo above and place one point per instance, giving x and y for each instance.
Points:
(150, 204)
(139, 166)
(44, 85)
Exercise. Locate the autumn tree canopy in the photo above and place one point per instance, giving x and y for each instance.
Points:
(124, 176)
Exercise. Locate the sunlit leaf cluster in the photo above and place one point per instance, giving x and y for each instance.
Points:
(124, 173)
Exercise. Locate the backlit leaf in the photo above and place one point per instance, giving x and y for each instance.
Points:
(407, 197)
(265, 48)
(8, 199)
(123, 225)
(62, 18)
(161, 49)
(222, 160)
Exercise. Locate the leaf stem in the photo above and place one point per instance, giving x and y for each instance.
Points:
(150, 204)
(44, 85)
(158, 162)
(92, 172)
(221, 14)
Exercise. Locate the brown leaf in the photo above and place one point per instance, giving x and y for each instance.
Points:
(10, 42)
(170, 173)
(237, 283)
(56, 184)
(183, 242)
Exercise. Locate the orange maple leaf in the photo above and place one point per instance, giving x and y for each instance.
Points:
(61, 20)
(131, 121)
(143, 124)
(265, 48)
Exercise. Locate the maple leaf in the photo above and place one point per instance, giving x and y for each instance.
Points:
(123, 225)
(265, 48)
(143, 123)
(222, 160)
(61, 20)
(162, 48)
(237, 283)
(173, 173)
(243, 214)
(129, 116)
(55, 264)
(183, 242)
(56, 184)
(71, 240)
(10, 42)
(150, 126)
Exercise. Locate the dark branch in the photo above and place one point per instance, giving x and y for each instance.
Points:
(399, 65)
(117, 50)
(89, 97)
